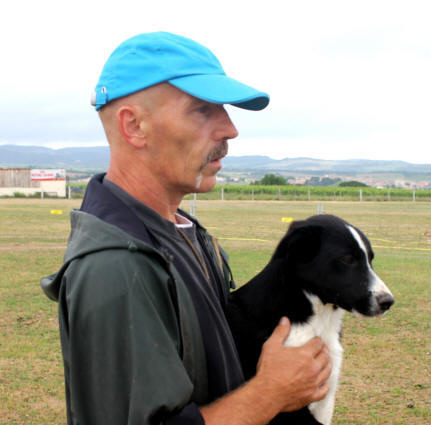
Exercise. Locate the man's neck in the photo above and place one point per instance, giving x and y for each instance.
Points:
(147, 191)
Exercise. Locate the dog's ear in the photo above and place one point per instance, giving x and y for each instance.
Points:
(301, 242)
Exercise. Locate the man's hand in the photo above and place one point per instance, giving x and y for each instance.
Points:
(294, 375)
(287, 379)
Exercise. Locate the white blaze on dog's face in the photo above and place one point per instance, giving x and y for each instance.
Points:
(381, 296)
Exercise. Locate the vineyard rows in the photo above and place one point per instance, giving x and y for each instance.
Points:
(300, 193)
(311, 193)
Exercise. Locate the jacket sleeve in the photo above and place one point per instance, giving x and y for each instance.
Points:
(121, 343)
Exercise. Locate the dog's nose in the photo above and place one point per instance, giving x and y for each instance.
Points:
(385, 301)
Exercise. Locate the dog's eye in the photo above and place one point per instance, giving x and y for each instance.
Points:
(347, 259)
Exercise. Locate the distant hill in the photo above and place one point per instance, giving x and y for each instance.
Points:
(94, 158)
(321, 166)
(97, 158)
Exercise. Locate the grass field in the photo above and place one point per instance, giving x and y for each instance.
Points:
(387, 367)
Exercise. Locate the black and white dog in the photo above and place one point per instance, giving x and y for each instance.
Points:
(321, 268)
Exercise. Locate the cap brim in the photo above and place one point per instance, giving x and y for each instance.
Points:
(218, 88)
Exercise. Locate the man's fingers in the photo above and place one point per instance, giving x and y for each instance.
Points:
(327, 369)
(316, 345)
(321, 392)
(281, 332)
(321, 357)
(322, 363)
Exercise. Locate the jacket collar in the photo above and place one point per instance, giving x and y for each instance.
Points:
(102, 203)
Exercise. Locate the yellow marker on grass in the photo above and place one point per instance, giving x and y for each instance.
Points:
(59, 212)
(286, 219)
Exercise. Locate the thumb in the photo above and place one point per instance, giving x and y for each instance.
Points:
(281, 332)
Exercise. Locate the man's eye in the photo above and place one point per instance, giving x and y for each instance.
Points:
(204, 109)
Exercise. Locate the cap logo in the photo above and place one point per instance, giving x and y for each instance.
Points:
(99, 98)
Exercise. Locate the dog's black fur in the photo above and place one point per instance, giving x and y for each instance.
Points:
(320, 256)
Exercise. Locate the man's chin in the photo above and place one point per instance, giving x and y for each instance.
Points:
(205, 183)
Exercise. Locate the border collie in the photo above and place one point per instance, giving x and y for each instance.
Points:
(320, 269)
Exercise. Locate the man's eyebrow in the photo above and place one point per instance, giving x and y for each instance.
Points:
(195, 103)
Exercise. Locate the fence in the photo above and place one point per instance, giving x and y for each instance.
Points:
(299, 193)
(311, 193)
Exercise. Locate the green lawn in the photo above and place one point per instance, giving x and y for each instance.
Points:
(387, 366)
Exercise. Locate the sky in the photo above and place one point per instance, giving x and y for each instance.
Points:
(347, 79)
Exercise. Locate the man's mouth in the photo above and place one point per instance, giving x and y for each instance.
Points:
(217, 154)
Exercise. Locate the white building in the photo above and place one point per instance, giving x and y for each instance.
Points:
(26, 181)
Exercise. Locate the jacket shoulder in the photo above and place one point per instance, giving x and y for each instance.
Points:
(119, 270)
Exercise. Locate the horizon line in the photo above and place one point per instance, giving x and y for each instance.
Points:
(105, 144)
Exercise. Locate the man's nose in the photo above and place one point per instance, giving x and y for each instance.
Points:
(227, 129)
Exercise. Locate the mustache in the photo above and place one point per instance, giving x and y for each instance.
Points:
(220, 151)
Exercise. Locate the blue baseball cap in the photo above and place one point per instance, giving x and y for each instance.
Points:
(152, 58)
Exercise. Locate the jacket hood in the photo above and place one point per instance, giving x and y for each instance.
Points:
(90, 234)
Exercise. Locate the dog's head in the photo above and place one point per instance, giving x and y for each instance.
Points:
(333, 260)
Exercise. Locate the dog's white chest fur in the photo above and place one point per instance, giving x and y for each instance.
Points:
(325, 323)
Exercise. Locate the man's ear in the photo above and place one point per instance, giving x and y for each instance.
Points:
(132, 125)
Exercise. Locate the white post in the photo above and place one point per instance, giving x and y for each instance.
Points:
(222, 193)
(309, 194)
(67, 182)
(414, 195)
(360, 195)
(193, 206)
(41, 193)
(279, 193)
(252, 193)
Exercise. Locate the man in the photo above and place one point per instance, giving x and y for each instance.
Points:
(143, 287)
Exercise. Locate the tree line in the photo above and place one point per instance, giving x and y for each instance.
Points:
(274, 180)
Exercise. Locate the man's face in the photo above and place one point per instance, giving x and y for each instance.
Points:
(188, 139)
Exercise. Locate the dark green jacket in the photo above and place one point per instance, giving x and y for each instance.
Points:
(141, 343)
(108, 274)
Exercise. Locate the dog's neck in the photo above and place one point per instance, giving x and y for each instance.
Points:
(270, 295)
(325, 322)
